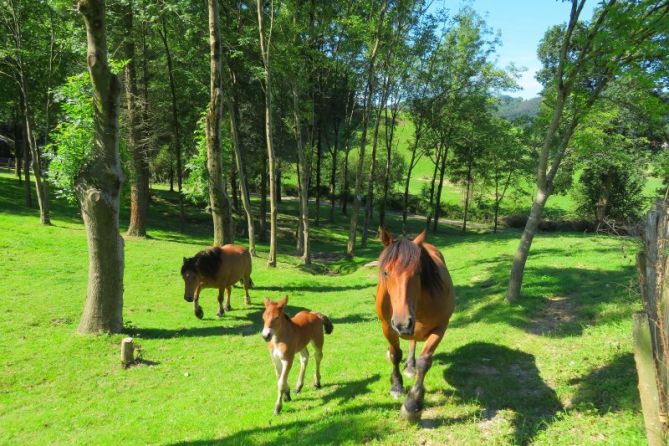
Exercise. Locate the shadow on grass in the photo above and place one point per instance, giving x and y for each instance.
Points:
(497, 378)
(315, 288)
(610, 388)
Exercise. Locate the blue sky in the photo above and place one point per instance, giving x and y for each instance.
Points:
(522, 24)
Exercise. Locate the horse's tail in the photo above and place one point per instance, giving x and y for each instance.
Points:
(327, 323)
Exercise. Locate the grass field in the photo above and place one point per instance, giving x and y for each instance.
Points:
(556, 369)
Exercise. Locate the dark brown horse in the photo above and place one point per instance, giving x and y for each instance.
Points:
(217, 267)
(414, 301)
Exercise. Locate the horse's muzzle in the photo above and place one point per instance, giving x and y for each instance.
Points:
(404, 328)
(188, 299)
(266, 334)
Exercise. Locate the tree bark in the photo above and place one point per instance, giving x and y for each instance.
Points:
(440, 186)
(27, 185)
(218, 201)
(271, 158)
(139, 174)
(303, 174)
(99, 186)
(428, 219)
(319, 154)
(412, 164)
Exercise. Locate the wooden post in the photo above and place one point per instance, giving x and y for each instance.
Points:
(645, 366)
(127, 352)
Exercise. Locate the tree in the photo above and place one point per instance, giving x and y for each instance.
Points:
(579, 62)
(99, 185)
(265, 45)
(218, 200)
(139, 172)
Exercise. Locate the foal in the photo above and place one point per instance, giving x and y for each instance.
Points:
(286, 336)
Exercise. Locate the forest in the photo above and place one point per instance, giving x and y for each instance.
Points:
(301, 130)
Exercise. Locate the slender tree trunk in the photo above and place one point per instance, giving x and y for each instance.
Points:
(233, 104)
(371, 176)
(271, 158)
(440, 186)
(99, 186)
(319, 153)
(333, 171)
(176, 137)
(139, 185)
(234, 187)
(412, 164)
(40, 185)
(220, 206)
(27, 185)
(390, 136)
(304, 245)
(432, 185)
(467, 191)
(263, 199)
(369, 94)
(345, 186)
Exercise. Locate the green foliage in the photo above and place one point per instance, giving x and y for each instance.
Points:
(72, 139)
(196, 188)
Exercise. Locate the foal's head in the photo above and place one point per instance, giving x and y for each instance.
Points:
(400, 270)
(272, 317)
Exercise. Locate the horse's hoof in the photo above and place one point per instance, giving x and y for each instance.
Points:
(220, 314)
(298, 389)
(287, 396)
(227, 308)
(277, 412)
(409, 371)
(317, 385)
(247, 302)
(412, 416)
(397, 393)
(199, 313)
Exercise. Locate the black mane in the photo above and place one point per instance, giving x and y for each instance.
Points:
(403, 254)
(206, 263)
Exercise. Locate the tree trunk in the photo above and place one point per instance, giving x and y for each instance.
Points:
(139, 173)
(390, 136)
(333, 171)
(99, 186)
(467, 192)
(428, 219)
(319, 152)
(412, 164)
(218, 201)
(263, 199)
(345, 186)
(304, 245)
(369, 95)
(176, 137)
(271, 158)
(27, 184)
(236, 146)
(234, 187)
(440, 186)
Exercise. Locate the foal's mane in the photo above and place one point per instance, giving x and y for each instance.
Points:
(206, 262)
(404, 255)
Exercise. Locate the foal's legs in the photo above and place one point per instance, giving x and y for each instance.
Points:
(395, 356)
(410, 364)
(283, 387)
(304, 358)
(318, 355)
(413, 404)
(228, 292)
(221, 311)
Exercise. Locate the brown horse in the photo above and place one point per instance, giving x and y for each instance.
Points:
(217, 267)
(286, 336)
(414, 301)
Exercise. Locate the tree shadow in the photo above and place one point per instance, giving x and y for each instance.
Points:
(313, 288)
(611, 388)
(497, 378)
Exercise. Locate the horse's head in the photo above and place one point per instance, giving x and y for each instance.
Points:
(272, 317)
(400, 272)
(191, 278)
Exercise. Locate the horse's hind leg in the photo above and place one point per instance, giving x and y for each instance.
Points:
(247, 285)
(221, 311)
(410, 364)
(413, 404)
(304, 358)
(228, 292)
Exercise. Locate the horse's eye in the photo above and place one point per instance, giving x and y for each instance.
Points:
(386, 273)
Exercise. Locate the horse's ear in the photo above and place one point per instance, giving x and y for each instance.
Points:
(282, 302)
(386, 238)
(420, 238)
(185, 259)
(265, 301)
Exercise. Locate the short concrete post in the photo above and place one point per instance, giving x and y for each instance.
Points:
(127, 352)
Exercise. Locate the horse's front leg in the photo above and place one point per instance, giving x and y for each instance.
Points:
(282, 385)
(410, 364)
(395, 357)
(197, 309)
(413, 404)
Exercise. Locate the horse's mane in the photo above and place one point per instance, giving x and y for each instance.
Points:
(206, 262)
(403, 255)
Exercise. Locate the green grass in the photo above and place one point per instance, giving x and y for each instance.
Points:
(556, 369)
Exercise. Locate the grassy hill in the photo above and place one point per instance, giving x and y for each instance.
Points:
(556, 369)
